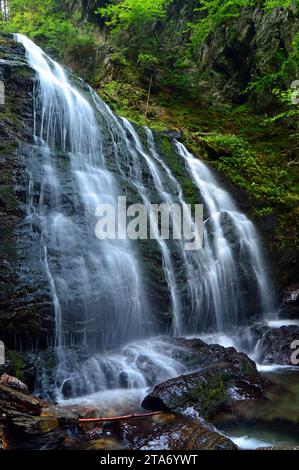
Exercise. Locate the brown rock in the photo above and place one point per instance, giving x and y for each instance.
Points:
(12, 401)
(13, 382)
(175, 432)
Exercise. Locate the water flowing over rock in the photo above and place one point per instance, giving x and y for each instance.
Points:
(213, 388)
(86, 298)
(31, 424)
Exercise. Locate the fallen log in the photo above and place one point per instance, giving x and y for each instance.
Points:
(120, 418)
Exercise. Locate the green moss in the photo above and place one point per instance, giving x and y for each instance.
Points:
(257, 157)
(175, 163)
(210, 395)
(8, 114)
(17, 364)
(248, 368)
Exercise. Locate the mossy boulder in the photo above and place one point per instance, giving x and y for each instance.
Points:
(208, 391)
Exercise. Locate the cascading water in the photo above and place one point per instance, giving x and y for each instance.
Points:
(101, 291)
(228, 264)
(114, 310)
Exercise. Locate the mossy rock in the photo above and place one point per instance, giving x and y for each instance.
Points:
(14, 365)
(208, 391)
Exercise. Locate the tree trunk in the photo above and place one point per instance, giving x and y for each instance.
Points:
(4, 9)
(148, 96)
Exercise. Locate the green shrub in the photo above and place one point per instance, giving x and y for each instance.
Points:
(47, 24)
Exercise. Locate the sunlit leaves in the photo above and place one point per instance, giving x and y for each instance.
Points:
(133, 13)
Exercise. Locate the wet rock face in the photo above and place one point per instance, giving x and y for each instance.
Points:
(25, 311)
(213, 388)
(175, 432)
(279, 346)
(195, 353)
(286, 265)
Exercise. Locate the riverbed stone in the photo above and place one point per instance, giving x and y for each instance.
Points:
(279, 346)
(207, 391)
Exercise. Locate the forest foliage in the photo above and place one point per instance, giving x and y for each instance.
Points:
(151, 49)
(135, 26)
(49, 23)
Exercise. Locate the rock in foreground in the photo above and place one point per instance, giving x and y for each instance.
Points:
(275, 346)
(176, 432)
(13, 382)
(208, 391)
(29, 423)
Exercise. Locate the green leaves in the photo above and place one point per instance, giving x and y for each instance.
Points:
(214, 12)
(270, 4)
(148, 62)
(126, 14)
(45, 22)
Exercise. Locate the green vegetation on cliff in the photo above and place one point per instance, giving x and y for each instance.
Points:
(221, 72)
(47, 22)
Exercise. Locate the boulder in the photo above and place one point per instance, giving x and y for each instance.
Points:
(278, 346)
(177, 432)
(13, 402)
(167, 431)
(194, 354)
(174, 134)
(29, 423)
(208, 391)
(13, 382)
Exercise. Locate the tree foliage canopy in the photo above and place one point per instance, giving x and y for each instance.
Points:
(134, 13)
(45, 21)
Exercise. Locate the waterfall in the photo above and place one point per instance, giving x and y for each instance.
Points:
(106, 313)
(225, 262)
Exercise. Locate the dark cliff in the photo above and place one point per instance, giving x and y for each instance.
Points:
(26, 310)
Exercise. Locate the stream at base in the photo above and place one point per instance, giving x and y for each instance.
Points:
(272, 423)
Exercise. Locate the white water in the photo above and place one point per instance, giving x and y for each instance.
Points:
(83, 156)
(134, 367)
(223, 269)
(275, 367)
(97, 287)
(250, 443)
(280, 323)
(136, 151)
